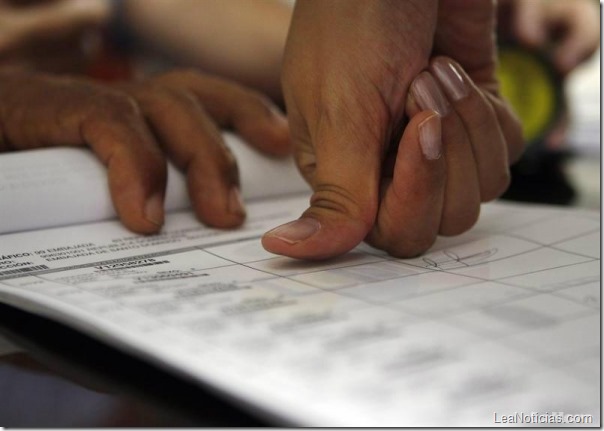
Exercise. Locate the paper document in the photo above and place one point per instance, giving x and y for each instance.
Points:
(62, 186)
(503, 320)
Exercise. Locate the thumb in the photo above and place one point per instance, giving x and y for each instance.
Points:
(344, 204)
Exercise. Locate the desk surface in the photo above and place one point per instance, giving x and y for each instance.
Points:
(56, 377)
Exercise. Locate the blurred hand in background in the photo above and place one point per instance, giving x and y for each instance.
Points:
(133, 127)
(568, 30)
(50, 35)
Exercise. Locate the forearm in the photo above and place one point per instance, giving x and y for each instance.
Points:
(237, 39)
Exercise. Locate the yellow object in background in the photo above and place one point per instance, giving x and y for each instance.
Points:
(533, 88)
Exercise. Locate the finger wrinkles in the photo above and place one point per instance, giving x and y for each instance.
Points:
(185, 129)
(193, 141)
(181, 124)
(336, 199)
(158, 98)
(117, 123)
(307, 166)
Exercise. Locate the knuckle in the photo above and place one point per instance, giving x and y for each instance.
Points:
(164, 99)
(335, 199)
(118, 105)
(307, 164)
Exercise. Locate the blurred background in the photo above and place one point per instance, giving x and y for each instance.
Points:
(561, 164)
(584, 135)
(549, 65)
(243, 40)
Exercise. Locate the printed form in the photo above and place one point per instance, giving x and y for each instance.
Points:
(502, 320)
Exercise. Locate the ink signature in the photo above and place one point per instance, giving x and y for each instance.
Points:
(451, 260)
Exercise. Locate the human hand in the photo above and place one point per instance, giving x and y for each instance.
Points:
(240, 40)
(434, 181)
(570, 29)
(347, 68)
(465, 32)
(130, 128)
(341, 152)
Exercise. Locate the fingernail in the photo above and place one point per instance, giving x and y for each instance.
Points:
(296, 231)
(236, 202)
(451, 78)
(154, 210)
(428, 95)
(430, 137)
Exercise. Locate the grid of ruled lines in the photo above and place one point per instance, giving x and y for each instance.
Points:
(515, 289)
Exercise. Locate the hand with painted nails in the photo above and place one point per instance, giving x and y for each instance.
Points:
(568, 30)
(349, 89)
(130, 127)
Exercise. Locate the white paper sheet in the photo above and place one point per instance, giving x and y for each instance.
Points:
(501, 321)
(70, 185)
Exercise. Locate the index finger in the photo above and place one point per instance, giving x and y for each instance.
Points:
(411, 207)
(42, 111)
